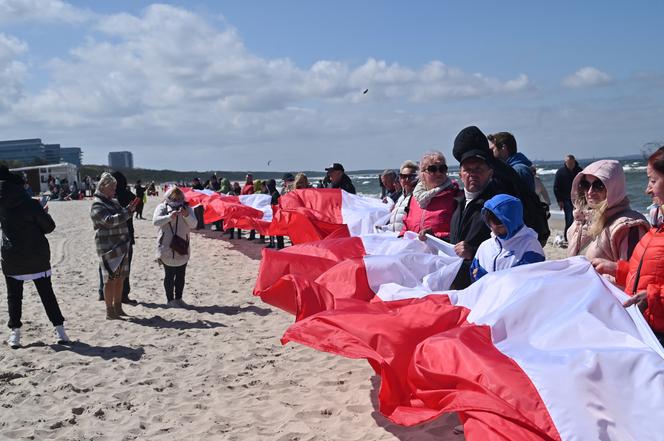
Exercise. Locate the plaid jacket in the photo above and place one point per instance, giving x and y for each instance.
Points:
(111, 232)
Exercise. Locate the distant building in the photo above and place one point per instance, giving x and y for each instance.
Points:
(52, 153)
(27, 151)
(72, 155)
(119, 160)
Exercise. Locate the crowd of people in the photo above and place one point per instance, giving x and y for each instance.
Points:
(496, 218)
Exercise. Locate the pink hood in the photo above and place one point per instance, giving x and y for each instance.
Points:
(610, 172)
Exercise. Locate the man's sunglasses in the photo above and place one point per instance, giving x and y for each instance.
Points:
(434, 168)
(597, 185)
(408, 176)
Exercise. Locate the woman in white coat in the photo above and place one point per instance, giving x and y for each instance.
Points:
(175, 220)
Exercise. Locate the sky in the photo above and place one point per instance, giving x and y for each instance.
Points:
(280, 85)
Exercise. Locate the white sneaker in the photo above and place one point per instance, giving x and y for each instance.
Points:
(14, 340)
(62, 335)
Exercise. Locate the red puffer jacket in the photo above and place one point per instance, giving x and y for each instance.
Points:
(650, 249)
(436, 215)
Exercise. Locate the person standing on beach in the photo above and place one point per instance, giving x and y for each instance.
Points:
(391, 184)
(339, 178)
(468, 229)
(175, 220)
(25, 254)
(641, 276)
(562, 189)
(408, 181)
(605, 226)
(433, 202)
(503, 147)
(140, 194)
(113, 242)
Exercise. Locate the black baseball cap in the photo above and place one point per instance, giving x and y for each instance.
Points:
(335, 166)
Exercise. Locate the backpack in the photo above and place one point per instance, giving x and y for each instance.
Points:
(534, 210)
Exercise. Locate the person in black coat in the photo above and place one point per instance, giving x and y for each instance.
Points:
(467, 228)
(339, 178)
(140, 193)
(25, 254)
(124, 197)
(562, 188)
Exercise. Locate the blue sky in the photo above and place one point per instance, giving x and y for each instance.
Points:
(231, 85)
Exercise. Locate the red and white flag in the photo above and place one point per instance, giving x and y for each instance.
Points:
(538, 352)
(308, 278)
(312, 214)
(250, 212)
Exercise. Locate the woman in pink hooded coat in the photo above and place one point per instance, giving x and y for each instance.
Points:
(605, 226)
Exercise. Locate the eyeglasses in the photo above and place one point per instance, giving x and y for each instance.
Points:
(597, 185)
(434, 168)
(408, 176)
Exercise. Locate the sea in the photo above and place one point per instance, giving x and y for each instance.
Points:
(367, 183)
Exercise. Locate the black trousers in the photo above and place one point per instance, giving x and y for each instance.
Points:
(568, 209)
(174, 281)
(15, 301)
(139, 209)
(126, 288)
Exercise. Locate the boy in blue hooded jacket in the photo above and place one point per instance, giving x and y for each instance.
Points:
(512, 243)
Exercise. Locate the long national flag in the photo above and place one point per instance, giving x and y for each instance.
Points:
(312, 214)
(538, 352)
(311, 277)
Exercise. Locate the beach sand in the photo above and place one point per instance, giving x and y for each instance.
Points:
(215, 370)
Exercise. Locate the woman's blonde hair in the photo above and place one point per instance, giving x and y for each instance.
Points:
(174, 194)
(301, 181)
(106, 181)
(597, 214)
(431, 157)
(410, 164)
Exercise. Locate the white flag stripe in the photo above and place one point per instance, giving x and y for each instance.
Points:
(588, 357)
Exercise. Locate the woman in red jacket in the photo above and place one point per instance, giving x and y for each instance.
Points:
(431, 207)
(642, 276)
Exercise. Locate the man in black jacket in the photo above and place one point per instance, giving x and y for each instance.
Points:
(339, 178)
(562, 188)
(467, 228)
(25, 254)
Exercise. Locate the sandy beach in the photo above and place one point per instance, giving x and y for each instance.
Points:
(215, 370)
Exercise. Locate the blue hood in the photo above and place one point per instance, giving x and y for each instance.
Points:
(508, 210)
(519, 158)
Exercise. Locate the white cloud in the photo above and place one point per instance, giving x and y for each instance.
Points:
(586, 77)
(169, 77)
(18, 11)
(12, 71)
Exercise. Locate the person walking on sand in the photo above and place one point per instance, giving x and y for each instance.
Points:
(175, 220)
(113, 241)
(25, 254)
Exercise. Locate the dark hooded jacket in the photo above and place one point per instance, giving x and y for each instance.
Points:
(24, 222)
(124, 197)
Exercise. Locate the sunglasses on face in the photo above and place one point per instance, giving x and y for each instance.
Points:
(597, 185)
(408, 176)
(434, 168)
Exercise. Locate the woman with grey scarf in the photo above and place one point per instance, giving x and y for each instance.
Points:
(112, 238)
(433, 200)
